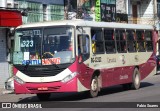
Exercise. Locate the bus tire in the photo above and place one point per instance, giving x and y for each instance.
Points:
(94, 87)
(43, 96)
(136, 79)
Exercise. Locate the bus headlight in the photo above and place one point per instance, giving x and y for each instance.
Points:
(69, 77)
(20, 81)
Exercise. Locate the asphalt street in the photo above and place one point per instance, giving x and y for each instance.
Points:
(113, 96)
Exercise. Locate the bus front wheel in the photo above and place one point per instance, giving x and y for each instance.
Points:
(136, 79)
(43, 96)
(94, 87)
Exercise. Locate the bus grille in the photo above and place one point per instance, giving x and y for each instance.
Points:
(43, 73)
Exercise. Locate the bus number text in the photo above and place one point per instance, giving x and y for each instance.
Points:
(96, 59)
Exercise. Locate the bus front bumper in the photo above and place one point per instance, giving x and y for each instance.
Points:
(34, 88)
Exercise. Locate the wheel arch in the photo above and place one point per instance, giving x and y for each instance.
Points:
(96, 73)
(136, 67)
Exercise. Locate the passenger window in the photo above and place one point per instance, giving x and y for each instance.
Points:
(149, 41)
(97, 41)
(131, 40)
(141, 41)
(109, 41)
(121, 41)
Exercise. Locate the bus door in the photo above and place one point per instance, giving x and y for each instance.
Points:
(83, 52)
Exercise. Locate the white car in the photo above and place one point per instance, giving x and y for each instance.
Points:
(9, 84)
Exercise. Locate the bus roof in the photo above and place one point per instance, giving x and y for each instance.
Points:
(88, 24)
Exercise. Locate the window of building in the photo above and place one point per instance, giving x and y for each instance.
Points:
(35, 12)
(56, 12)
(97, 41)
(141, 41)
(121, 40)
(109, 41)
(131, 40)
(15, 5)
(9, 5)
(149, 41)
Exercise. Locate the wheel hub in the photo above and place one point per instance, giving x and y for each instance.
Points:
(137, 79)
(94, 85)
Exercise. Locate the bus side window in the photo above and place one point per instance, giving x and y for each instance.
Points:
(121, 41)
(97, 41)
(109, 41)
(149, 42)
(131, 40)
(141, 41)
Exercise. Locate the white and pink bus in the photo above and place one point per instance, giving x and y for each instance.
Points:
(78, 55)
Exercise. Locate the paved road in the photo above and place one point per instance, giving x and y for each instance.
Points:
(149, 92)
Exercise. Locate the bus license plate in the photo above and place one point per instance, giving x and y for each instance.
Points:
(43, 88)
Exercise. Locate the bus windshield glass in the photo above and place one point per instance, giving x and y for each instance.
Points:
(45, 46)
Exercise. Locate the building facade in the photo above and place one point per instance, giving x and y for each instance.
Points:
(41, 10)
(139, 11)
(142, 11)
(9, 19)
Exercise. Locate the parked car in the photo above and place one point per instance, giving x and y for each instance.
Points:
(9, 84)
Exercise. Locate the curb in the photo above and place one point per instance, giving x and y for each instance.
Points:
(7, 92)
(4, 91)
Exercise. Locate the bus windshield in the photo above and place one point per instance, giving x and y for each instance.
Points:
(47, 46)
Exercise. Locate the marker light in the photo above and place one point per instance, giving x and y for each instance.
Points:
(69, 77)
